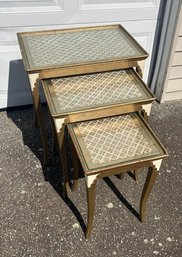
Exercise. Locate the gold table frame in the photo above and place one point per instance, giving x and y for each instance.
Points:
(153, 162)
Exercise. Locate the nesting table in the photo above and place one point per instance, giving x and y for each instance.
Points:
(84, 97)
(112, 145)
(93, 87)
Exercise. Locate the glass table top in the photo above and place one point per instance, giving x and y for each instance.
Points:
(114, 140)
(58, 48)
(76, 93)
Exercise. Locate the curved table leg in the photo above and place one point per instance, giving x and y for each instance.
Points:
(139, 70)
(33, 78)
(63, 155)
(60, 129)
(35, 117)
(91, 193)
(75, 166)
(149, 183)
(145, 115)
(135, 174)
(54, 135)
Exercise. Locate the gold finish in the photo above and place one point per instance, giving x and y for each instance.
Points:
(103, 112)
(91, 194)
(91, 191)
(54, 134)
(120, 82)
(144, 115)
(139, 71)
(149, 183)
(135, 175)
(26, 51)
(75, 166)
(86, 69)
(39, 120)
(63, 157)
(114, 169)
(91, 168)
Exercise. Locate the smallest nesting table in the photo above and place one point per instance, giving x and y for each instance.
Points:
(112, 145)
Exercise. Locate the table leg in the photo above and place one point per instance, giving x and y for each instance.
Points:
(64, 162)
(75, 166)
(60, 129)
(33, 78)
(145, 115)
(91, 193)
(149, 183)
(35, 116)
(135, 174)
(54, 135)
(139, 70)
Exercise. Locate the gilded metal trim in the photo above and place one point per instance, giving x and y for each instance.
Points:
(56, 111)
(115, 62)
(75, 137)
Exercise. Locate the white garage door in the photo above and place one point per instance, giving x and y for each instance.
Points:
(137, 16)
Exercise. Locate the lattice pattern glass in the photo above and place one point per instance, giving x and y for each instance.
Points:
(114, 140)
(60, 48)
(99, 89)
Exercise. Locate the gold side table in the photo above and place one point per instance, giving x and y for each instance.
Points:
(54, 53)
(115, 144)
(76, 98)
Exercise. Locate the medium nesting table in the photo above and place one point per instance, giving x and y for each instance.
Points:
(112, 145)
(76, 98)
(66, 52)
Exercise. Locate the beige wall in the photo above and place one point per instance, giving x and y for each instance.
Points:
(173, 81)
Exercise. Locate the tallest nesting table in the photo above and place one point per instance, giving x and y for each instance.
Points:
(66, 52)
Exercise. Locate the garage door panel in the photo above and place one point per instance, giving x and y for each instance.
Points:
(137, 16)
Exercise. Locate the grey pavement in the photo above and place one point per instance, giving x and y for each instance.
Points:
(36, 220)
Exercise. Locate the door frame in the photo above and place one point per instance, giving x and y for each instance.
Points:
(163, 47)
